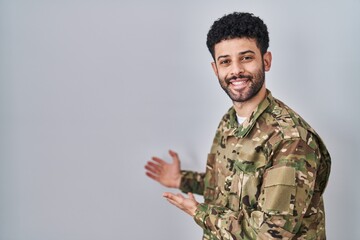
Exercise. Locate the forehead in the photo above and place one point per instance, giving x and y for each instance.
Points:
(235, 46)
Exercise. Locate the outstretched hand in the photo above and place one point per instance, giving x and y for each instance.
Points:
(188, 205)
(167, 174)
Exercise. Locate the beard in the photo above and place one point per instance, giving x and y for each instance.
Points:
(255, 83)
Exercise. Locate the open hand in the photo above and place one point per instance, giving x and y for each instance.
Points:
(188, 205)
(167, 174)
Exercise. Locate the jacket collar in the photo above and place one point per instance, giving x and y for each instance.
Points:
(241, 130)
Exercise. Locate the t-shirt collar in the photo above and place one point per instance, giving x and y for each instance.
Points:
(241, 130)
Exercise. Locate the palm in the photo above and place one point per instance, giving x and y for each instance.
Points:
(188, 205)
(167, 174)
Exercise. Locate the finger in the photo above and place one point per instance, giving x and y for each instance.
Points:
(158, 160)
(173, 153)
(180, 196)
(154, 164)
(174, 156)
(191, 196)
(172, 197)
(152, 176)
(168, 195)
(152, 169)
(174, 203)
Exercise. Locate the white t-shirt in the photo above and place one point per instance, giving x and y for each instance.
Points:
(240, 120)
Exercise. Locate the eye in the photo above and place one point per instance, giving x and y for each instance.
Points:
(246, 58)
(225, 61)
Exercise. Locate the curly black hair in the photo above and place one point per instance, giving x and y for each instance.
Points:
(238, 25)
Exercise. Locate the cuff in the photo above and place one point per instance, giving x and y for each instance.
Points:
(201, 214)
(183, 182)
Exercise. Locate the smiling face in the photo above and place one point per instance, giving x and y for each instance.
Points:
(240, 68)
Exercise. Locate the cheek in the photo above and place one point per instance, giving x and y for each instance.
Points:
(222, 74)
(223, 77)
(252, 68)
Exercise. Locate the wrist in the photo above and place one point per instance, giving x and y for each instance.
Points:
(178, 181)
(193, 211)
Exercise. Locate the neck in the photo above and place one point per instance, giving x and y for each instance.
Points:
(244, 109)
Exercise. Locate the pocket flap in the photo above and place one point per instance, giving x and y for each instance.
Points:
(280, 176)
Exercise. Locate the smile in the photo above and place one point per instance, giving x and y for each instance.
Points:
(239, 83)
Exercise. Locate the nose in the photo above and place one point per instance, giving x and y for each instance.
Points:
(237, 69)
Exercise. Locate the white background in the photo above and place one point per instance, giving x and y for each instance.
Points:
(90, 90)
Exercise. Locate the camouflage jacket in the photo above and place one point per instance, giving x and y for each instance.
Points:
(264, 178)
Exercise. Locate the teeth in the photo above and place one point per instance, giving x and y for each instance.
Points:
(238, 83)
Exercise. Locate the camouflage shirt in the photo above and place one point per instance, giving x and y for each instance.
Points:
(264, 178)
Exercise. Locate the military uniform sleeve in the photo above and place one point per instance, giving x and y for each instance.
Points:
(283, 199)
(192, 182)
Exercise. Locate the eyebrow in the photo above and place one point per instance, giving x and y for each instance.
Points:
(240, 53)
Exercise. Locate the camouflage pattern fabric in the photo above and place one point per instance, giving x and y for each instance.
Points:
(264, 178)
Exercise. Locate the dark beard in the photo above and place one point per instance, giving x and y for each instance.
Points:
(256, 83)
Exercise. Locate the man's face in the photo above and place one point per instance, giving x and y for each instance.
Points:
(240, 67)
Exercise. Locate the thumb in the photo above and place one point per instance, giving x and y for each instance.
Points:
(174, 156)
(180, 196)
(191, 196)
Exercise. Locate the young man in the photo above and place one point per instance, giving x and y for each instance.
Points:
(267, 168)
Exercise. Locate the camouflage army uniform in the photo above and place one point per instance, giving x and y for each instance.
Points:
(264, 178)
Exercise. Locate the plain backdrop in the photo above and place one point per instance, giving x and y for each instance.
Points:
(91, 90)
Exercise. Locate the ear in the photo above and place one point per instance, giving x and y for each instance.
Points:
(267, 61)
(214, 67)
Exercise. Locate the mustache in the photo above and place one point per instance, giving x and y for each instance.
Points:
(239, 76)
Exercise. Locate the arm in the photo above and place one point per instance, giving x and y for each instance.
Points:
(192, 182)
(284, 197)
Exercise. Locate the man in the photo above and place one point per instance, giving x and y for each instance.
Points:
(267, 168)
